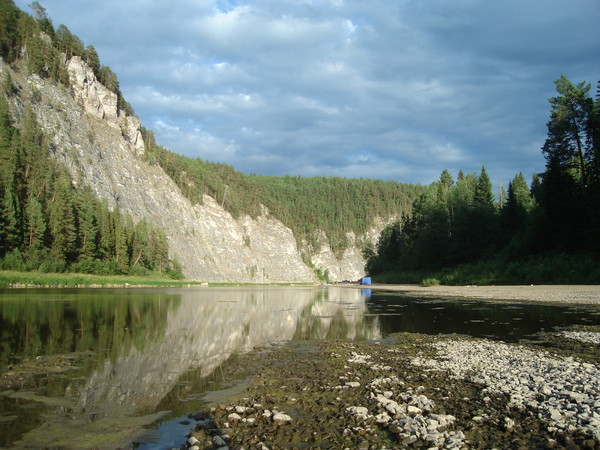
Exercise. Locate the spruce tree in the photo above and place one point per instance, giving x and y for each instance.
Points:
(62, 220)
(9, 222)
(36, 225)
(484, 197)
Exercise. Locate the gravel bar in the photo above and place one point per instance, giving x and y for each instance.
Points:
(409, 390)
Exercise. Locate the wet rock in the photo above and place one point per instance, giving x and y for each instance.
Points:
(360, 412)
(192, 441)
(219, 441)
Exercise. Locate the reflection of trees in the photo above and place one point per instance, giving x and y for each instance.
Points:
(32, 324)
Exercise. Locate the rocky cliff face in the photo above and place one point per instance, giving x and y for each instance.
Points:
(103, 148)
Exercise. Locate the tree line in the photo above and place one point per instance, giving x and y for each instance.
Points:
(554, 219)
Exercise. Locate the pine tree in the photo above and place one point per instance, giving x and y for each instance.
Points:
(121, 243)
(88, 226)
(92, 59)
(9, 34)
(519, 204)
(568, 126)
(62, 220)
(9, 223)
(106, 231)
(36, 225)
(484, 197)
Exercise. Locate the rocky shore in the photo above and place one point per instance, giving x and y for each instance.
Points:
(412, 391)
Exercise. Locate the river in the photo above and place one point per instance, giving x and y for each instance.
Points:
(102, 364)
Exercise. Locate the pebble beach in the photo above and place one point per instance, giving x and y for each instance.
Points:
(411, 391)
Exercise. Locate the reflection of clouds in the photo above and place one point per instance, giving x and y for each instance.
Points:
(209, 325)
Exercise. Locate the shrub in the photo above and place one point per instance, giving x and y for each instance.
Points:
(13, 261)
(430, 282)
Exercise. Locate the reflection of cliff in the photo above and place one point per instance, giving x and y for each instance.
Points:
(211, 324)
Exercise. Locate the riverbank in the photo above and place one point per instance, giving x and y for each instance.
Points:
(565, 294)
(16, 279)
(411, 390)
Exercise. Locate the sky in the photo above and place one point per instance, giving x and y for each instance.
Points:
(386, 89)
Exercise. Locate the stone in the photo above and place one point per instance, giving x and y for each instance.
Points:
(234, 417)
(509, 424)
(382, 418)
(281, 419)
(413, 410)
(219, 441)
(360, 412)
(192, 441)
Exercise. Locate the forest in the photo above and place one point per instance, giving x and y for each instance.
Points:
(547, 231)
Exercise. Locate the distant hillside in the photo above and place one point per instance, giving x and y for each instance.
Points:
(331, 205)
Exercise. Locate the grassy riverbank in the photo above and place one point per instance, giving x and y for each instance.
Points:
(16, 279)
(9, 278)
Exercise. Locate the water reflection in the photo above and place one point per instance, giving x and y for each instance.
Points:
(145, 342)
(208, 326)
(508, 322)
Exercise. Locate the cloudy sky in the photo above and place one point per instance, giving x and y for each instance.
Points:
(389, 89)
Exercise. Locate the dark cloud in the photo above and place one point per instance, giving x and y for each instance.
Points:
(380, 89)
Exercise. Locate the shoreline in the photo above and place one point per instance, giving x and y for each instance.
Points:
(562, 294)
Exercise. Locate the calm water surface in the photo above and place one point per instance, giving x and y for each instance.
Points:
(113, 359)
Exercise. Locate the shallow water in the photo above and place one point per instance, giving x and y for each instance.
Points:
(116, 359)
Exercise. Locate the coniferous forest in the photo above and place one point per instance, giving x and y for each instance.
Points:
(544, 232)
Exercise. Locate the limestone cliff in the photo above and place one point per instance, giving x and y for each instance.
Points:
(103, 148)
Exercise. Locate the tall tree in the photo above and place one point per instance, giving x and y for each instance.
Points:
(519, 204)
(9, 223)
(9, 35)
(62, 220)
(36, 225)
(568, 126)
(484, 197)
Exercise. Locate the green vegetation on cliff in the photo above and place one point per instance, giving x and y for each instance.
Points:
(333, 205)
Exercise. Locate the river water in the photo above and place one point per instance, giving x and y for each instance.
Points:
(100, 364)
